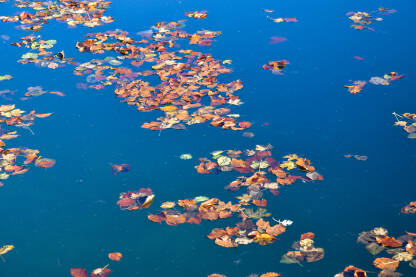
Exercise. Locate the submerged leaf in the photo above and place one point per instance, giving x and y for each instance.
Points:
(374, 248)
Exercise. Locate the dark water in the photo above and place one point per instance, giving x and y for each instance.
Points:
(66, 216)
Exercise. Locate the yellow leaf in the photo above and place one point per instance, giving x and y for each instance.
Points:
(288, 165)
(16, 112)
(264, 239)
(6, 249)
(168, 108)
(291, 157)
(6, 108)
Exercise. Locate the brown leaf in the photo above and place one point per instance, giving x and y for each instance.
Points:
(217, 233)
(411, 247)
(276, 230)
(262, 224)
(226, 241)
(78, 272)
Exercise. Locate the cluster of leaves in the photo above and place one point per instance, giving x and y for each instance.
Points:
(186, 77)
(246, 232)
(408, 122)
(410, 208)
(268, 274)
(377, 240)
(256, 162)
(98, 272)
(42, 57)
(304, 251)
(363, 19)
(136, 200)
(194, 210)
(10, 163)
(74, 12)
(357, 86)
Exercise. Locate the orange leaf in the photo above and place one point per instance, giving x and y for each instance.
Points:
(115, 256)
(175, 219)
(244, 124)
(260, 202)
(238, 163)
(389, 241)
(155, 218)
(262, 224)
(57, 93)
(217, 233)
(308, 235)
(270, 274)
(168, 108)
(276, 230)
(386, 263)
(9, 135)
(356, 271)
(43, 115)
(304, 165)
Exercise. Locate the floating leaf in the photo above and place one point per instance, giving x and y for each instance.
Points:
(5, 77)
(29, 56)
(44, 162)
(185, 156)
(78, 272)
(199, 199)
(386, 263)
(115, 256)
(6, 248)
(389, 241)
(374, 248)
(288, 260)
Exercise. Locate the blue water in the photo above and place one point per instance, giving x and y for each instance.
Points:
(66, 216)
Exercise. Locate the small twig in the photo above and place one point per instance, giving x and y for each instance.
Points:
(396, 116)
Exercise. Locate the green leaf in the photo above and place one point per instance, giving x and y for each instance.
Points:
(287, 260)
(6, 77)
(374, 248)
(29, 56)
(199, 199)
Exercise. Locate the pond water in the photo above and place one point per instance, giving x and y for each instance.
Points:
(66, 216)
